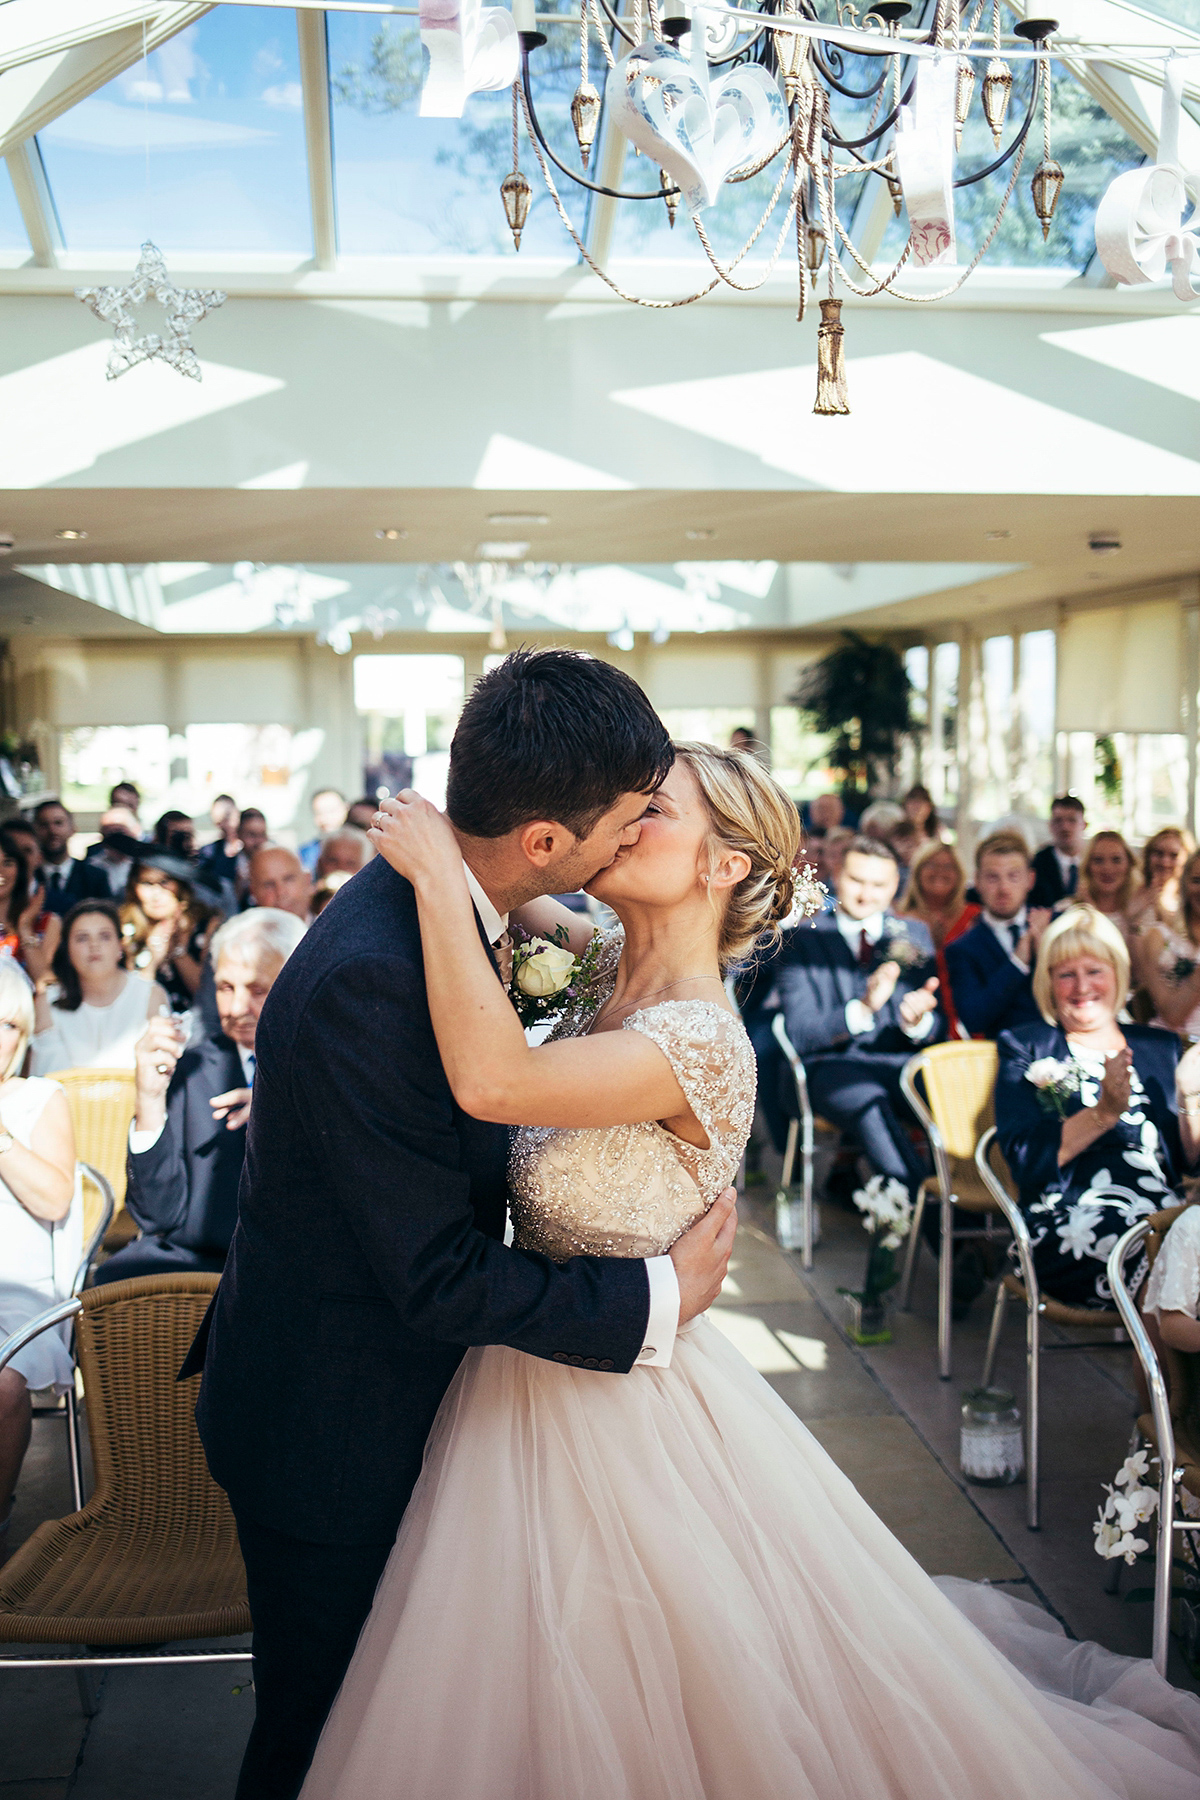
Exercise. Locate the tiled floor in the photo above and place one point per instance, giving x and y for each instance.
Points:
(882, 1414)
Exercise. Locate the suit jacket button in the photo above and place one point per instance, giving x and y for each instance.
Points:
(560, 1356)
(591, 1362)
(576, 1362)
(606, 1362)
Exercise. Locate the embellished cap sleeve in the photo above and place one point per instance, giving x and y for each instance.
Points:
(710, 1054)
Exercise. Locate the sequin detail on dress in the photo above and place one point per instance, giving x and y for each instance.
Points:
(630, 1190)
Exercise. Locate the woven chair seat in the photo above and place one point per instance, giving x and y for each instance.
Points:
(1059, 1314)
(153, 1556)
(967, 1185)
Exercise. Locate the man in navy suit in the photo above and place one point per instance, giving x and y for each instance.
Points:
(368, 1252)
(859, 995)
(66, 880)
(1056, 865)
(991, 965)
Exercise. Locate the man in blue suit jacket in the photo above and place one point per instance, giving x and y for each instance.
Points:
(991, 965)
(859, 995)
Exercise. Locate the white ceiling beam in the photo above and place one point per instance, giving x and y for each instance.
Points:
(33, 93)
(36, 202)
(318, 134)
(31, 29)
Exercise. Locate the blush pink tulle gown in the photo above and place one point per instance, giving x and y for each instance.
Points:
(657, 1586)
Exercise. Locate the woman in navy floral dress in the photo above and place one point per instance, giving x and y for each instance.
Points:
(1086, 1105)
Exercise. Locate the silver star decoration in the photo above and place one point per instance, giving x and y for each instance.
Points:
(184, 308)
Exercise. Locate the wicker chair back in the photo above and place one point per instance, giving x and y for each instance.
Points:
(959, 1081)
(101, 1102)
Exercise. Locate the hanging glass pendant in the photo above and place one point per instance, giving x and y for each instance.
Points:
(831, 362)
(516, 194)
(963, 91)
(585, 117)
(1046, 186)
(670, 194)
(814, 248)
(997, 92)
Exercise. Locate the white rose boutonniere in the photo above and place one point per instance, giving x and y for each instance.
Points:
(899, 948)
(1055, 1082)
(546, 975)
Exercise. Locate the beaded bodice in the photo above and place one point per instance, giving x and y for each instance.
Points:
(630, 1190)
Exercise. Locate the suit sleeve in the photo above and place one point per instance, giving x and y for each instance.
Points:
(380, 1119)
(157, 1179)
(982, 997)
(1030, 1135)
(814, 1016)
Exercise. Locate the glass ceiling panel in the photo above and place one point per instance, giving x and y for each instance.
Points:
(1092, 149)
(200, 148)
(1180, 12)
(12, 227)
(407, 185)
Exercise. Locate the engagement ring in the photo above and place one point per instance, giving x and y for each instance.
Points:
(162, 1068)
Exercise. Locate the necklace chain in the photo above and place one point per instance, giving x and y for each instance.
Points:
(628, 1006)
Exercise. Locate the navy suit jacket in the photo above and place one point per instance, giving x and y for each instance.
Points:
(184, 1189)
(1048, 888)
(1030, 1133)
(368, 1249)
(84, 881)
(817, 973)
(991, 994)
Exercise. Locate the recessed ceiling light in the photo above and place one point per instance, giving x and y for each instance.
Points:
(506, 552)
(699, 534)
(393, 533)
(7, 542)
(1104, 543)
(518, 519)
(70, 536)
(996, 535)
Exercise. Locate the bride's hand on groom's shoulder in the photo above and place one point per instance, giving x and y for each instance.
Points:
(414, 837)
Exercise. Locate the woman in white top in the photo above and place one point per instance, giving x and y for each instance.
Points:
(99, 1011)
(1170, 959)
(41, 1231)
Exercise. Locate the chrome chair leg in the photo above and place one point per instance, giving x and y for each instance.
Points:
(997, 1326)
(807, 1168)
(910, 1255)
(789, 1153)
(74, 1448)
(1033, 1371)
(945, 1282)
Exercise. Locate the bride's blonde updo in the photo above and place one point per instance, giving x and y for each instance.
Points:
(750, 812)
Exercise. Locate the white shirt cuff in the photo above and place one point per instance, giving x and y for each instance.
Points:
(143, 1140)
(663, 1322)
(859, 1018)
(917, 1033)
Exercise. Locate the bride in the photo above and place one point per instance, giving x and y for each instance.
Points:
(658, 1586)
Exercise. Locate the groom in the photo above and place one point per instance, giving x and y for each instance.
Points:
(368, 1251)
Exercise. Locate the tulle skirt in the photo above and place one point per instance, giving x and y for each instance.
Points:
(658, 1586)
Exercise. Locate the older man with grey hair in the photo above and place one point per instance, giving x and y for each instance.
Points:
(188, 1136)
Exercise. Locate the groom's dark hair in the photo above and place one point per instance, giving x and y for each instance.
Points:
(552, 734)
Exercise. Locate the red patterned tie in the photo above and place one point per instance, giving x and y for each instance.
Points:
(866, 950)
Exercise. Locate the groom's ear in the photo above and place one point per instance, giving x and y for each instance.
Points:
(544, 841)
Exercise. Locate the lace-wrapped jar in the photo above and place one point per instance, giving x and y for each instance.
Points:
(992, 1446)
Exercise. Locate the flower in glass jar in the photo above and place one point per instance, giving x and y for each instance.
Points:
(544, 969)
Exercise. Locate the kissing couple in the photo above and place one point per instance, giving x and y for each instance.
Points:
(519, 1523)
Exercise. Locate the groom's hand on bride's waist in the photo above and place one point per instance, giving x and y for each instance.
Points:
(701, 1256)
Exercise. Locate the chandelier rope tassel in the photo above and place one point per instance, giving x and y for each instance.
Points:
(1049, 176)
(515, 190)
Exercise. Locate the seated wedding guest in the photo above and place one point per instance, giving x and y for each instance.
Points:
(990, 965)
(63, 878)
(906, 839)
(279, 878)
(347, 849)
(324, 891)
(821, 814)
(826, 854)
(1169, 958)
(858, 991)
(879, 819)
(1163, 857)
(918, 806)
(1056, 865)
(176, 832)
(252, 830)
(187, 1141)
(166, 923)
(1109, 879)
(98, 1011)
(1172, 1299)
(1085, 1104)
(936, 894)
(120, 841)
(28, 931)
(41, 1232)
(22, 830)
(127, 795)
(360, 813)
(329, 814)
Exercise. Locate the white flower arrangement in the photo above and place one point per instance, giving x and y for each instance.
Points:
(887, 1207)
(1055, 1082)
(1115, 1531)
(899, 948)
